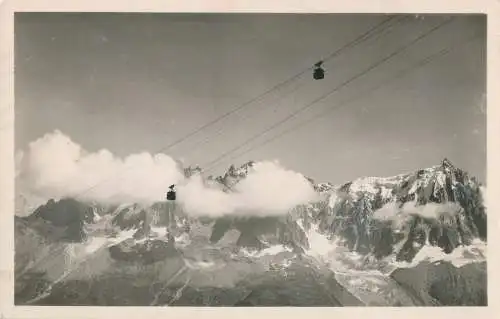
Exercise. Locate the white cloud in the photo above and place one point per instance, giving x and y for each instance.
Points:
(399, 215)
(432, 210)
(269, 189)
(56, 167)
(388, 212)
(273, 188)
(197, 198)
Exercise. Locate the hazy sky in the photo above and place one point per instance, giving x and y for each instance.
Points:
(138, 82)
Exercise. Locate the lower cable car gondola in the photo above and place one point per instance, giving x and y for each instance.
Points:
(171, 193)
(319, 73)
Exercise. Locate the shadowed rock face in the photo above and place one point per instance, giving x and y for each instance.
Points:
(260, 232)
(146, 250)
(67, 215)
(444, 284)
(65, 212)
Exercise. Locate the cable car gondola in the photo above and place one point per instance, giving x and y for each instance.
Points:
(171, 193)
(319, 73)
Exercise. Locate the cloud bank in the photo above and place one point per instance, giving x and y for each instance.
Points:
(392, 212)
(56, 167)
(268, 189)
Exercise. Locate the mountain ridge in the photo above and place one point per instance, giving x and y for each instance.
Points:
(345, 220)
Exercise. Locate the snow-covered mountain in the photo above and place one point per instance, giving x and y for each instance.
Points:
(439, 206)
(362, 243)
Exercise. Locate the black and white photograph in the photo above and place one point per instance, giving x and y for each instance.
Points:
(250, 159)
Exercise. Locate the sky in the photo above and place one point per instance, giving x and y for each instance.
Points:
(132, 83)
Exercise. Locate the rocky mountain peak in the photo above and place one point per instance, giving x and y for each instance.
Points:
(190, 171)
(447, 164)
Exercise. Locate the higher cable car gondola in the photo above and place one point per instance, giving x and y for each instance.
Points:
(319, 73)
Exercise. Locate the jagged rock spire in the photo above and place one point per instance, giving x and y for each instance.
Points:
(447, 163)
(231, 170)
